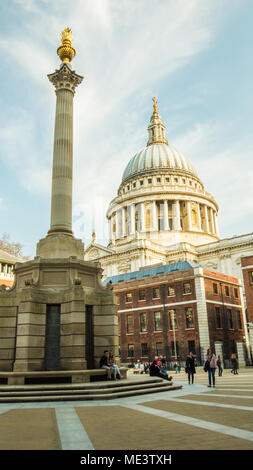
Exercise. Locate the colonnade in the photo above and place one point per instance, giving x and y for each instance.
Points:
(162, 215)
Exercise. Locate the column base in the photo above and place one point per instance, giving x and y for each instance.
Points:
(60, 245)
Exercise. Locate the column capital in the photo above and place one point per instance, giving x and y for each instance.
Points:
(65, 78)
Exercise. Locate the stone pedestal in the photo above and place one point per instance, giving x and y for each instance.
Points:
(87, 314)
(240, 354)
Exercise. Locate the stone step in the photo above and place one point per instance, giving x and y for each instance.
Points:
(77, 386)
(85, 396)
(84, 389)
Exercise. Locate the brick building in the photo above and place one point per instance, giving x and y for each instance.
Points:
(174, 308)
(247, 269)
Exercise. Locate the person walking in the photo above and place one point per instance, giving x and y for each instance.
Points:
(219, 364)
(211, 359)
(234, 364)
(190, 367)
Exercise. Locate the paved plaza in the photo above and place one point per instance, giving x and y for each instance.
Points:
(193, 418)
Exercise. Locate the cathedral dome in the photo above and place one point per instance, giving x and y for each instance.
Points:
(155, 157)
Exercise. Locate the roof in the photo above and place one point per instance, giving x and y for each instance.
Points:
(157, 157)
(148, 272)
(8, 258)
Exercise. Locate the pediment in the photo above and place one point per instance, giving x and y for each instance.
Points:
(96, 251)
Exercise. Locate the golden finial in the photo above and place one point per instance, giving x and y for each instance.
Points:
(155, 104)
(66, 51)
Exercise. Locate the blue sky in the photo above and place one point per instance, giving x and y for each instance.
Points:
(195, 56)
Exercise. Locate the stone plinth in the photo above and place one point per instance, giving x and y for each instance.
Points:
(60, 245)
(70, 289)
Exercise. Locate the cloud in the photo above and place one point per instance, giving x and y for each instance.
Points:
(123, 49)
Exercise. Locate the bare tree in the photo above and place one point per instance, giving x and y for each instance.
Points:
(13, 248)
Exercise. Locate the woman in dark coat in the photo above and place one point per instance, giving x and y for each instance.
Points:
(190, 367)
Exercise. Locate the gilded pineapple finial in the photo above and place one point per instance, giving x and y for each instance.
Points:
(66, 51)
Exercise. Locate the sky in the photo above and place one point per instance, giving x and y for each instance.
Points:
(195, 56)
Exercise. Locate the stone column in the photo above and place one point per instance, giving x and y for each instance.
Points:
(165, 215)
(206, 219)
(176, 215)
(199, 217)
(216, 224)
(132, 219)
(240, 354)
(117, 218)
(123, 222)
(154, 216)
(60, 242)
(212, 221)
(65, 82)
(189, 215)
(142, 211)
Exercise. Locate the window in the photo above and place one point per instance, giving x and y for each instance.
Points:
(171, 291)
(141, 183)
(215, 288)
(236, 292)
(187, 288)
(226, 291)
(156, 293)
(159, 349)
(251, 277)
(128, 187)
(218, 317)
(158, 180)
(172, 319)
(239, 319)
(143, 322)
(134, 185)
(176, 180)
(191, 347)
(167, 180)
(230, 319)
(149, 180)
(129, 297)
(130, 324)
(157, 318)
(144, 349)
(142, 294)
(130, 350)
(189, 317)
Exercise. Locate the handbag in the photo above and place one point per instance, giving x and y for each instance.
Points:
(206, 366)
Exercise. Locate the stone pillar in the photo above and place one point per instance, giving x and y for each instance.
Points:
(216, 224)
(132, 219)
(250, 327)
(176, 215)
(60, 242)
(189, 215)
(204, 338)
(123, 222)
(117, 219)
(142, 211)
(240, 354)
(154, 216)
(206, 219)
(218, 351)
(212, 221)
(65, 82)
(199, 217)
(165, 215)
